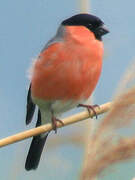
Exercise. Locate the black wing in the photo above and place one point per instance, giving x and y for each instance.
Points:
(30, 107)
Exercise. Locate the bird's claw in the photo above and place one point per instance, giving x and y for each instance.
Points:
(90, 108)
(54, 123)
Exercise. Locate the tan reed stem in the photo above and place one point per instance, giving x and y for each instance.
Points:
(48, 127)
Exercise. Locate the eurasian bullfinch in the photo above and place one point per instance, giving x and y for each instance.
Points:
(64, 75)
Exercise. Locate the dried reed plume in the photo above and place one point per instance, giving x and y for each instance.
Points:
(106, 146)
(84, 6)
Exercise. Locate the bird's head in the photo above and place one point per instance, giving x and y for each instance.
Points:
(93, 23)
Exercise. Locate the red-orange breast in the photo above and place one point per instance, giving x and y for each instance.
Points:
(68, 69)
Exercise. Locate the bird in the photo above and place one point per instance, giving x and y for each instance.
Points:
(64, 75)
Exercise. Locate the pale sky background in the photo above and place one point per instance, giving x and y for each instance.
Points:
(25, 27)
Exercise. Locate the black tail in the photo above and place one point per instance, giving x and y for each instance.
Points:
(36, 149)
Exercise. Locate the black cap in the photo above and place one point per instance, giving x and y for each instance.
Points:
(93, 23)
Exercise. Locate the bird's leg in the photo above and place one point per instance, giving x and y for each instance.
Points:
(54, 122)
(90, 108)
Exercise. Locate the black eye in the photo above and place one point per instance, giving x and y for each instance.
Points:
(90, 26)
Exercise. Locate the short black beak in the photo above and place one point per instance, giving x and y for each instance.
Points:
(102, 30)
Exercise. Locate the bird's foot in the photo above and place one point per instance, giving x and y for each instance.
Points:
(90, 108)
(54, 123)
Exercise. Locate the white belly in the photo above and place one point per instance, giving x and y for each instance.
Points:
(58, 107)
